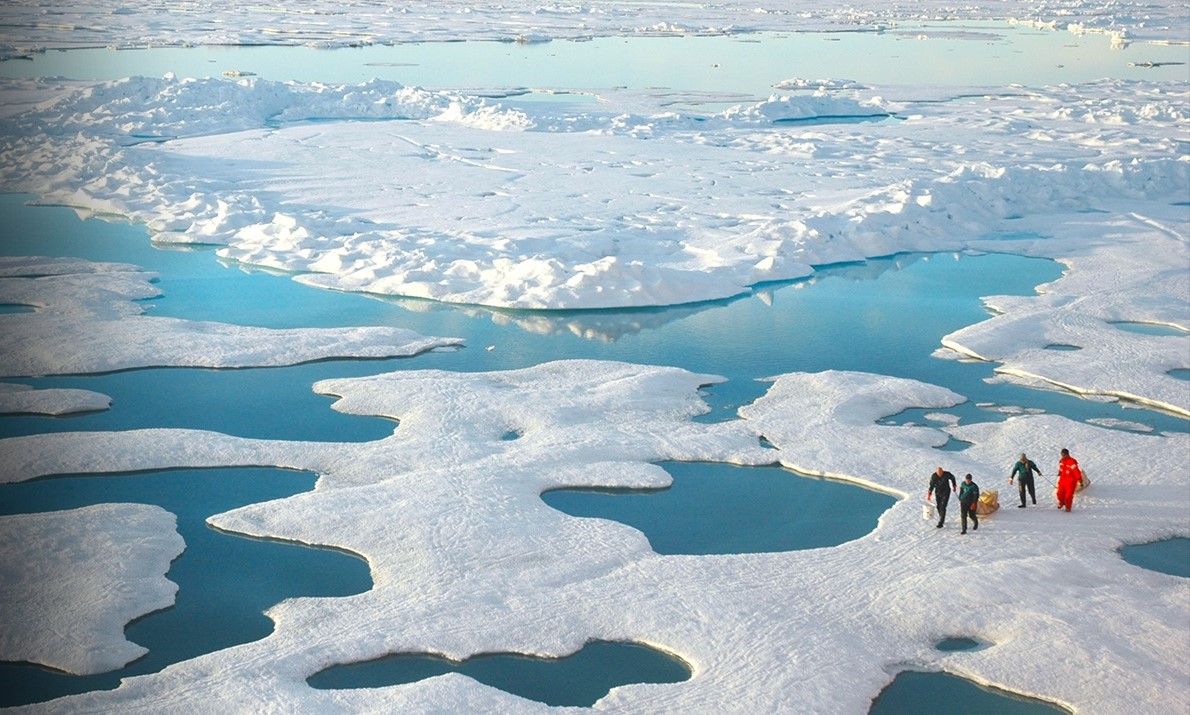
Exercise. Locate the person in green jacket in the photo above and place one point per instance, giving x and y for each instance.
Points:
(968, 501)
(1023, 470)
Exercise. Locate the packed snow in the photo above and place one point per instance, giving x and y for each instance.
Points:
(1139, 266)
(626, 202)
(462, 199)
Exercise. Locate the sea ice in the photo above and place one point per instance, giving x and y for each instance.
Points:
(628, 204)
(346, 23)
(88, 320)
(1134, 268)
(1121, 424)
(67, 599)
(459, 199)
(23, 399)
(467, 559)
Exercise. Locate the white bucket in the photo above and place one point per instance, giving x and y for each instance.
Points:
(927, 511)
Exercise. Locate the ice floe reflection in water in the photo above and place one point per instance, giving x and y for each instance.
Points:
(225, 582)
(578, 680)
(727, 509)
(915, 692)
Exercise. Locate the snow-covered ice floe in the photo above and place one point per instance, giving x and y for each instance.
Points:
(87, 320)
(66, 599)
(467, 559)
(23, 399)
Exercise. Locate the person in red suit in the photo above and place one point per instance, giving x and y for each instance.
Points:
(1069, 477)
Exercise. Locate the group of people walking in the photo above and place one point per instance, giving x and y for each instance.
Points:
(942, 482)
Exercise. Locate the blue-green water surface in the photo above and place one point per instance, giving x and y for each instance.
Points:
(970, 53)
(917, 692)
(849, 317)
(579, 679)
(725, 509)
(1171, 556)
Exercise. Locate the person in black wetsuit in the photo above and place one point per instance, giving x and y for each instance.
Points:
(941, 481)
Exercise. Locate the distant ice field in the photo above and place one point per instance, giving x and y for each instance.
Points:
(993, 54)
(55, 23)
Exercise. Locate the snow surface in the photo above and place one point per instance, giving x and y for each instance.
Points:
(67, 600)
(626, 202)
